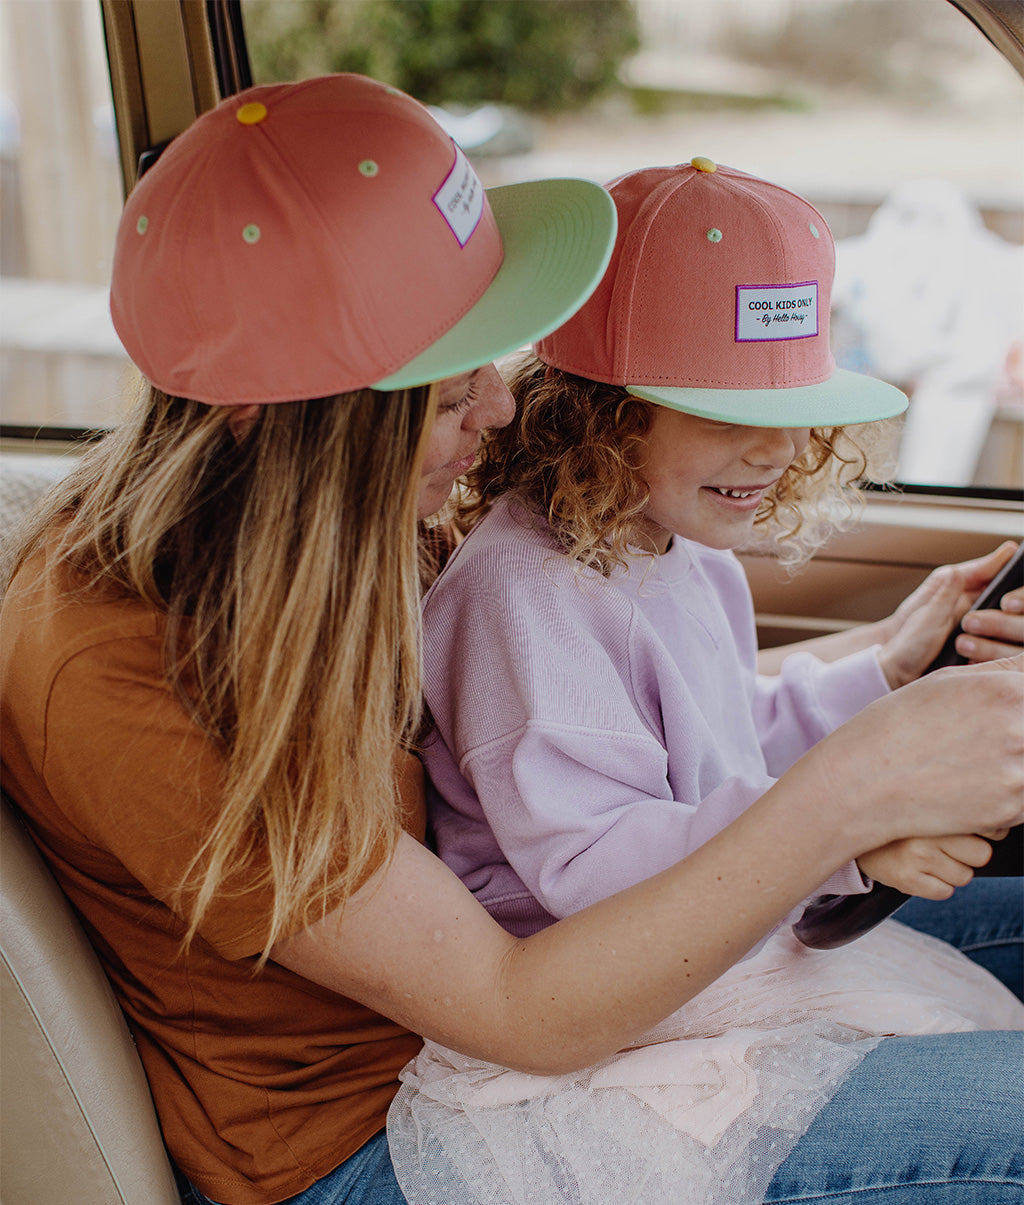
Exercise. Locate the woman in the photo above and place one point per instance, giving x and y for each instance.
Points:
(210, 657)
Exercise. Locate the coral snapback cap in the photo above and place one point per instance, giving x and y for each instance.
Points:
(306, 239)
(716, 302)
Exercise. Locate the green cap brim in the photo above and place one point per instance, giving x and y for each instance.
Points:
(846, 397)
(557, 237)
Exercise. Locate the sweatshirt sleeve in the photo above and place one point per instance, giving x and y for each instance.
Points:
(583, 813)
(808, 699)
(580, 815)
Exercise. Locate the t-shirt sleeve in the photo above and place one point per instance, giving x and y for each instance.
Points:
(138, 785)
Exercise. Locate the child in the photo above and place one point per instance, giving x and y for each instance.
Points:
(590, 669)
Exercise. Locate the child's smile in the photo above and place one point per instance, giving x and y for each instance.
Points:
(742, 499)
(708, 479)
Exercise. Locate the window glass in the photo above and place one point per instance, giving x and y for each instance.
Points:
(61, 364)
(896, 118)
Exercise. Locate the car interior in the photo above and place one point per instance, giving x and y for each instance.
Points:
(77, 1123)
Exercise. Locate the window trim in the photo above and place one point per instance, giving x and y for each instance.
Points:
(168, 63)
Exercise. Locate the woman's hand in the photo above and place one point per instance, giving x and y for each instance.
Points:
(944, 755)
(915, 632)
(990, 635)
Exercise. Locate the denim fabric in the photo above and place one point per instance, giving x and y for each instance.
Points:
(365, 1178)
(932, 1120)
(985, 920)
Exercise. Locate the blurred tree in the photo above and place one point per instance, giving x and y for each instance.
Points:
(533, 54)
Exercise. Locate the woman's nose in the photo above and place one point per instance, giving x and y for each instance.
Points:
(493, 405)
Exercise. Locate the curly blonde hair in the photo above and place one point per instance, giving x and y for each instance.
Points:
(575, 451)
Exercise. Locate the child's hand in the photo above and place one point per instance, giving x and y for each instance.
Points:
(915, 632)
(930, 867)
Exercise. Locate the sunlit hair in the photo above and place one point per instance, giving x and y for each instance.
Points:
(286, 563)
(576, 451)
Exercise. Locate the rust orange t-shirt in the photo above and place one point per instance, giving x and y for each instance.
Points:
(263, 1083)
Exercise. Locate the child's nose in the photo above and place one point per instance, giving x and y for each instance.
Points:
(494, 405)
(776, 447)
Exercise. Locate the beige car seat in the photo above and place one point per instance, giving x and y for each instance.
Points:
(77, 1123)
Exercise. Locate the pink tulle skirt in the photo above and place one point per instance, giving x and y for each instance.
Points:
(702, 1109)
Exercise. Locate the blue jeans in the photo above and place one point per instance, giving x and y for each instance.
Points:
(983, 920)
(365, 1178)
(933, 1120)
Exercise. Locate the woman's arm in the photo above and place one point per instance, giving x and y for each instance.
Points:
(415, 946)
(945, 755)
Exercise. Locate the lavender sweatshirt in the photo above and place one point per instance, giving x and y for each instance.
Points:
(591, 732)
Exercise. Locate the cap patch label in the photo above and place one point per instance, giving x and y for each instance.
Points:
(765, 312)
(460, 198)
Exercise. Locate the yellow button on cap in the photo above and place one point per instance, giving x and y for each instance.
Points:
(703, 165)
(252, 114)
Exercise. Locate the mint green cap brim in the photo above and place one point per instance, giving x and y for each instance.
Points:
(557, 237)
(846, 397)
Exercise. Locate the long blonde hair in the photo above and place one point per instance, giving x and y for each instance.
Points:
(285, 562)
(576, 450)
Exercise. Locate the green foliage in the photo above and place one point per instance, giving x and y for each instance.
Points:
(533, 54)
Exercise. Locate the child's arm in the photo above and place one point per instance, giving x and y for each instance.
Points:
(930, 867)
(918, 628)
(913, 634)
(832, 647)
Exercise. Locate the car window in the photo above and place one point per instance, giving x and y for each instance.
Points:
(898, 119)
(61, 365)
